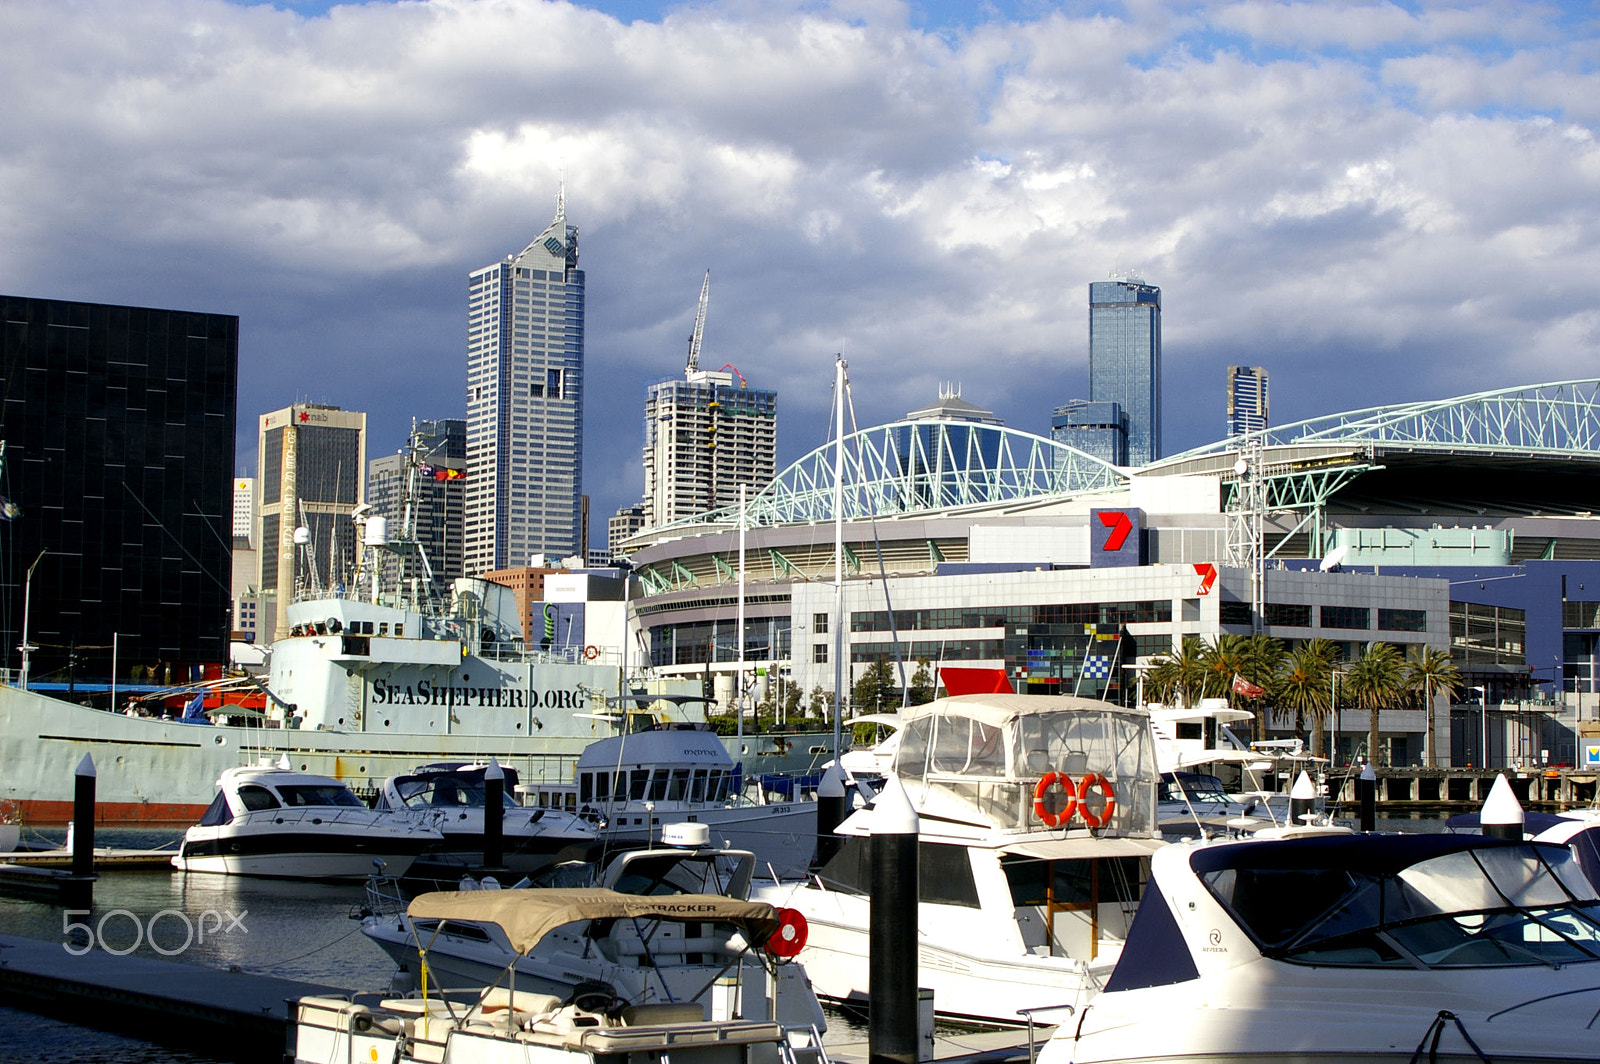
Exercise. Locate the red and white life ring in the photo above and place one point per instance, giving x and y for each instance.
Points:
(1096, 782)
(790, 937)
(591, 652)
(1053, 779)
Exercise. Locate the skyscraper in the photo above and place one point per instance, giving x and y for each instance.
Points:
(703, 437)
(1247, 399)
(311, 467)
(1100, 429)
(1125, 359)
(525, 403)
(437, 501)
(115, 491)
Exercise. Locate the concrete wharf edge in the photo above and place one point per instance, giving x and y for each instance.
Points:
(227, 1014)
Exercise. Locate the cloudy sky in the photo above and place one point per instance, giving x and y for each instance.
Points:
(1377, 201)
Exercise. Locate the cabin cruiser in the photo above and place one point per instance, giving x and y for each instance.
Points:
(1321, 943)
(1037, 820)
(739, 945)
(679, 772)
(639, 962)
(271, 821)
(451, 798)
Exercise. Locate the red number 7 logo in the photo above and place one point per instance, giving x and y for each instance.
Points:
(1120, 526)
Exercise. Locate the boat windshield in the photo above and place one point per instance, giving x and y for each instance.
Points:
(1480, 905)
(422, 792)
(1196, 789)
(304, 794)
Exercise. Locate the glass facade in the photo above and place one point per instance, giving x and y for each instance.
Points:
(119, 427)
(1488, 635)
(1125, 360)
(1346, 617)
(1247, 399)
(765, 639)
(1100, 429)
(525, 361)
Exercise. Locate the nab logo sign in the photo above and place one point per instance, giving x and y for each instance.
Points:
(1116, 538)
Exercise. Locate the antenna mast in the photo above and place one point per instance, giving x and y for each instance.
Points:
(699, 325)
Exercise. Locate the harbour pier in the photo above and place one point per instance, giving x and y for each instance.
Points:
(1412, 789)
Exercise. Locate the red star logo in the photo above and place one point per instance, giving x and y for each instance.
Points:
(304, 416)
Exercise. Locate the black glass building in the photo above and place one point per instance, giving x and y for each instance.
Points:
(1125, 360)
(118, 428)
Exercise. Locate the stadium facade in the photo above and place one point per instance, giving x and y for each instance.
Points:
(1462, 524)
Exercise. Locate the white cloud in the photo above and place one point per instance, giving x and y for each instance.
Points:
(1410, 195)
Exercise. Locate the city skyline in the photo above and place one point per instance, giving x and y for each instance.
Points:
(1382, 203)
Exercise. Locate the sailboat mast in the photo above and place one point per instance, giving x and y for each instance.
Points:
(838, 557)
(739, 684)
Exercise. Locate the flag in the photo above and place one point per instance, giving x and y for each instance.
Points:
(425, 470)
(1244, 687)
(448, 474)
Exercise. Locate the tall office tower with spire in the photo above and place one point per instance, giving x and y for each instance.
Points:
(1247, 399)
(1125, 359)
(525, 403)
(704, 436)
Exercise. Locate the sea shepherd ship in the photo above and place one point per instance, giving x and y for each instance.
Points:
(367, 684)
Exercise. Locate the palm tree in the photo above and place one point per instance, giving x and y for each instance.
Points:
(1433, 673)
(1222, 660)
(1179, 677)
(1376, 681)
(1303, 687)
(1261, 659)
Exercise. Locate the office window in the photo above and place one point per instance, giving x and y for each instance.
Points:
(1403, 620)
(819, 623)
(819, 653)
(1346, 617)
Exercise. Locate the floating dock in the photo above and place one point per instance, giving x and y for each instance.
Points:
(226, 1013)
(108, 860)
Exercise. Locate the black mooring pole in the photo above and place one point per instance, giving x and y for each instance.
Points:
(832, 808)
(892, 941)
(83, 818)
(494, 811)
(1367, 796)
(1501, 816)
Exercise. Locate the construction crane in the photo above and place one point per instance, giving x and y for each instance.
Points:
(699, 325)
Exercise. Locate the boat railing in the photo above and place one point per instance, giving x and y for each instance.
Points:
(384, 897)
(1028, 1014)
(317, 814)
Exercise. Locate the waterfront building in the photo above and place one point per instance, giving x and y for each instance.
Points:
(1125, 359)
(704, 437)
(115, 491)
(311, 465)
(1247, 399)
(1100, 429)
(438, 496)
(525, 329)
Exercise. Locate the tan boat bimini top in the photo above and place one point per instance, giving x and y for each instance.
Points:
(527, 915)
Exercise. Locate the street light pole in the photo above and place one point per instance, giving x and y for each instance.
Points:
(27, 601)
(1483, 716)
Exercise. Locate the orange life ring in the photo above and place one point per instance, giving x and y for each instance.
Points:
(591, 652)
(1095, 781)
(790, 937)
(1042, 811)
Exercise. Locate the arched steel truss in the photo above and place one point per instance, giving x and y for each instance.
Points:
(1538, 419)
(923, 466)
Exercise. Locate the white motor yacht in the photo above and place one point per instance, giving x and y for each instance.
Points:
(634, 784)
(680, 959)
(272, 821)
(1037, 819)
(735, 1021)
(1322, 944)
(451, 797)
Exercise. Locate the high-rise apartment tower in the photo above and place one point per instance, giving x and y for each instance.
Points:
(525, 403)
(704, 437)
(1125, 359)
(311, 472)
(1247, 399)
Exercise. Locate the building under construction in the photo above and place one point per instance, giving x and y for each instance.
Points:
(704, 436)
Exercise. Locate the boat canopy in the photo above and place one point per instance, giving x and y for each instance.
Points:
(527, 915)
(992, 751)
